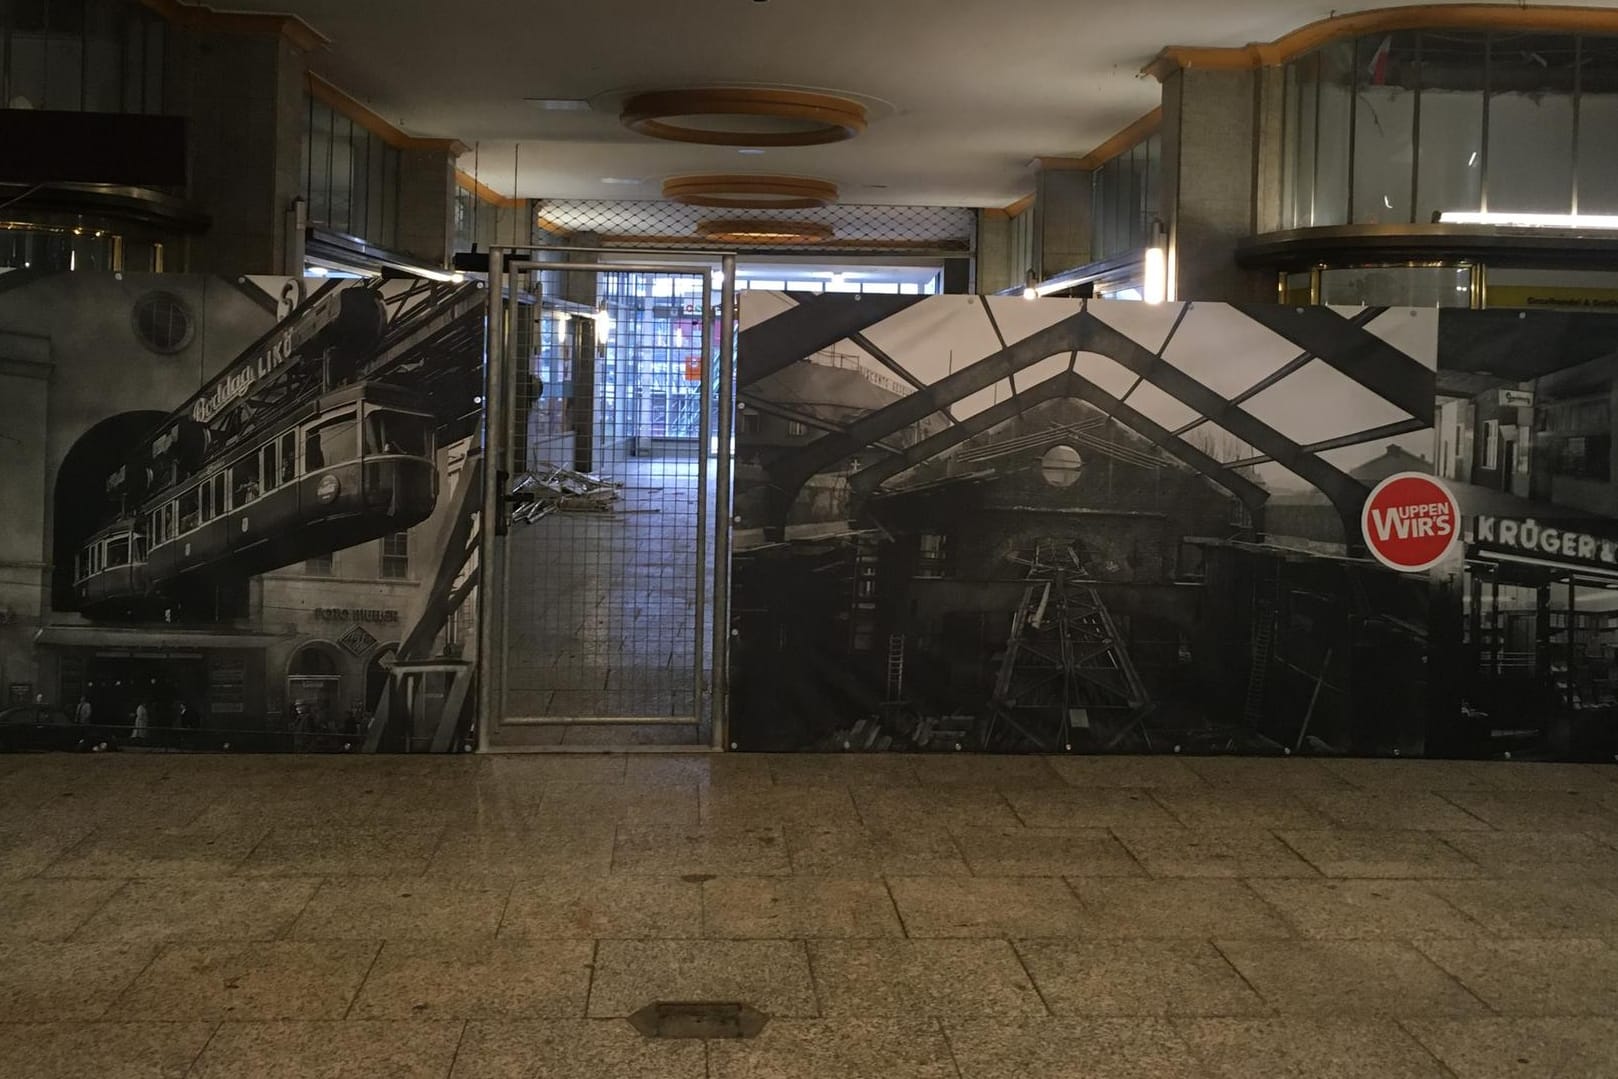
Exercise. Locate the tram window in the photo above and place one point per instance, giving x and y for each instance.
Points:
(188, 510)
(244, 481)
(395, 432)
(118, 551)
(289, 456)
(269, 471)
(207, 500)
(329, 443)
(219, 505)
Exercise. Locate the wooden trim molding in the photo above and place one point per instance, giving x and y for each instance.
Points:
(199, 17)
(327, 94)
(750, 192)
(765, 232)
(808, 119)
(1124, 141)
(1382, 20)
(467, 182)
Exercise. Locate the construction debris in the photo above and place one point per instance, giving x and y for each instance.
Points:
(550, 488)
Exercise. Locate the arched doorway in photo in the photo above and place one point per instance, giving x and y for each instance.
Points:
(314, 694)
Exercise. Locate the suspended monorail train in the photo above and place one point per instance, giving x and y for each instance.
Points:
(354, 464)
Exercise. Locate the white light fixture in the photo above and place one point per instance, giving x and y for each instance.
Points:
(1155, 288)
(603, 326)
(315, 271)
(457, 278)
(1473, 160)
(562, 317)
(718, 278)
(751, 151)
(1030, 287)
(1508, 219)
(626, 180)
(559, 104)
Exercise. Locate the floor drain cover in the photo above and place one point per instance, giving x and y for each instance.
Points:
(698, 1019)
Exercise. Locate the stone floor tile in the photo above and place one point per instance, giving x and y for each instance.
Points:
(983, 770)
(1536, 854)
(1088, 807)
(158, 911)
(352, 803)
(262, 980)
(621, 803)
(1520, 1048)
(157, 852)
(1307, 1049)
(574, 848)
(514, 771)
(1363, 853)
(988, 907)
(1195, 852)
(902, 808)
(780, 805)
(840, 769)
(675, 851)
(573, 1049)
(1137, 978)
(770, 975)
(1415, 773)
(477, 979)
(1530, 810)
(1366, 909)
(49, 982)
(26, 849)
(1554, 776)
(364, 909)
(332, 851)
(103, 1050)
(1266, 773)
(843, 1049)
(1111, 771)
(1068, 1048)
(1045, 852)
(796, 908)
(1390, 810)
(922, 978)
(1237, 807)
(1534, 977)
(1536, 908)
(828, 851)
(587, 908)
(416, 1049)
(1189, 908)
(719, 771)
(43, 909)
(1350, 979)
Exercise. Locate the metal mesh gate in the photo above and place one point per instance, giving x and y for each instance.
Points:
(611, 483)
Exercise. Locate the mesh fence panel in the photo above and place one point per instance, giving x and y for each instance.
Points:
(606, 569)
(831, 230)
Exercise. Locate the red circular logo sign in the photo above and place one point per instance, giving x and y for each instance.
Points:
(1410, 522)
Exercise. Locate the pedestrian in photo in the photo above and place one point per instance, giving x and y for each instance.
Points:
(81, 714)
(143, 718)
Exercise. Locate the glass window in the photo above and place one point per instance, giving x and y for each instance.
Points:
(318, 189)
(1384, 127)
(318, 566)
(1334, 121)
(118, 551)
(268, 469)
(395, 433)
(219, 503)
(189, 516)
(1450, 162)
(244, 485)
(1397, 286)
(1530, 150)
(207, 500)
(329, 443)
(1597, 170)
(396, 555)
(26, 61)
(289, 456)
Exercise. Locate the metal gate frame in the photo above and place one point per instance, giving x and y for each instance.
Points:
(493, 551)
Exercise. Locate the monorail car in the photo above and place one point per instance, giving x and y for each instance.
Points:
(355, 464)
(110, 575)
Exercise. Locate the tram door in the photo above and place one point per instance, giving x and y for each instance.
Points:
(610, 413)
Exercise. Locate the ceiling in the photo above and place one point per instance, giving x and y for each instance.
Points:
(963, 93)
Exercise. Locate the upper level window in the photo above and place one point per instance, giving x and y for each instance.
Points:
(351, 177)
(1398, 128)
(81, 56)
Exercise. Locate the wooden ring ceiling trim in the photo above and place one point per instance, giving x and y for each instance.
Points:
(764, 231)
(329, 95)
(834, 118)
(1383, 20)
(750, 192)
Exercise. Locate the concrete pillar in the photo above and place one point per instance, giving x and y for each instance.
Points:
(994, 269)
(244, 96)
(427, 203)
(1062, 221)
(1210, 194)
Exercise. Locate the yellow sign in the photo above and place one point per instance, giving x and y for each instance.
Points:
(1552, 297)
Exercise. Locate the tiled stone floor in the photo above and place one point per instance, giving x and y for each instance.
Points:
(903, 917)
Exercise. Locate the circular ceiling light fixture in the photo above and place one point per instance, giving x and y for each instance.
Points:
(750, 192)
(744, 116)
(765, 232)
